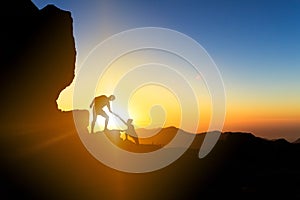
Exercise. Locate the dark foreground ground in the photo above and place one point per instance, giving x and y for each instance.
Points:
(54, 164)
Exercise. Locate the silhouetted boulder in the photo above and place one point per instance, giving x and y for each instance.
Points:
(37, 61)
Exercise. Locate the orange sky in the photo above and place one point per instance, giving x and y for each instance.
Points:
(172, 94)
(153, 106)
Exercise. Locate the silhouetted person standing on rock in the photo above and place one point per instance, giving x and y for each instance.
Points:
(98, 104)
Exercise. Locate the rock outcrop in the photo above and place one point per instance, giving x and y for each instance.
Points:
(37, 61)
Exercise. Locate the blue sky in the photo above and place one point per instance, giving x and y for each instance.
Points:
(243, 33)
(258, 38)
(255, 44)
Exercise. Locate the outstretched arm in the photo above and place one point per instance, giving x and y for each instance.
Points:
(120, 118)
(92, 103)
(108, 106)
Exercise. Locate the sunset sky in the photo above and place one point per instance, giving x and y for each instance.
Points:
(255, 45)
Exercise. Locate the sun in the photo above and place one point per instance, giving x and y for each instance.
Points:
(153, 106)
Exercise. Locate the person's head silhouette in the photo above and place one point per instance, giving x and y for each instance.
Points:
(112, 97)
(129, 121)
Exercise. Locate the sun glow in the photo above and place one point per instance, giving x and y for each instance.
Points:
(150, 106)
(113, 123)
(154, 106)
(154, 88)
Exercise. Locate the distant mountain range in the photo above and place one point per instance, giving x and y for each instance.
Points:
(162, 136)
(244, 143)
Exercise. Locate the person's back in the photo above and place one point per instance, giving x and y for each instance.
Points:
(131, 130)
(101, 101)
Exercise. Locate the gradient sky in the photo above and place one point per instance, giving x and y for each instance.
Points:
(255, 44)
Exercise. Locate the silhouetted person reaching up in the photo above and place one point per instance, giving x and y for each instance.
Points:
(130, 129)
(98, 104)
